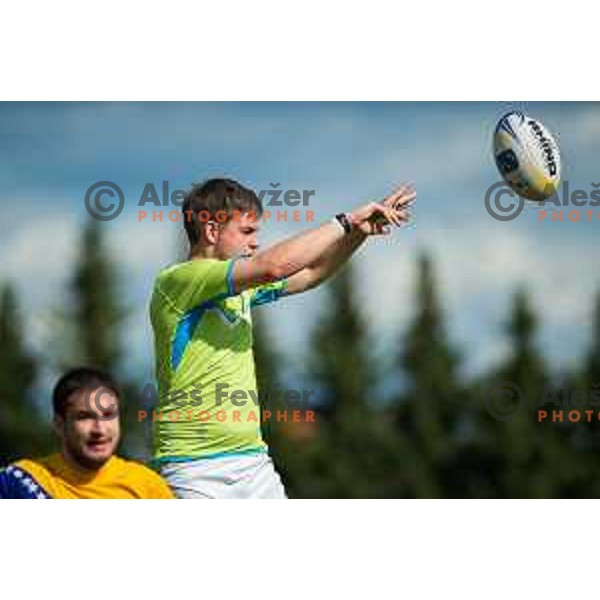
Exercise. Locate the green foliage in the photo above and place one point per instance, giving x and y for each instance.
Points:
(96, 311)
(438, 438)
(431, 409)
(350, 450)
(435, 438)
(22, 431)
(94, 324)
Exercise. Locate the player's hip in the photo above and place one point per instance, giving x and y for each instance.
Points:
(230, 476)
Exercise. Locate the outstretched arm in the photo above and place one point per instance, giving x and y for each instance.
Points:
(325, 243)
(331, 260)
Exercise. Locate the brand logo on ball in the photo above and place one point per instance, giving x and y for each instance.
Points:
(546, 145)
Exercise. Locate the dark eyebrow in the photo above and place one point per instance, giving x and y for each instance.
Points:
(81, 414)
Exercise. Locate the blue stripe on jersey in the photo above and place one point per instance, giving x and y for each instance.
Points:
(249, 451)
(269, 293)
(15, 483)
(187, 325)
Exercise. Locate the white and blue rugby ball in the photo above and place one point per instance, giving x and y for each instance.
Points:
(527, 156)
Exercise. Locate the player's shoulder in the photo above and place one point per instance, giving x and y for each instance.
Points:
(45, 470)
(165, 283)
(131, 466)
(25, 478)
(138, 471)
(44, 464)
(166, 272)
(196, 265)
(172, 278)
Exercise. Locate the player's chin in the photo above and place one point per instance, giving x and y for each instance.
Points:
(99, 452)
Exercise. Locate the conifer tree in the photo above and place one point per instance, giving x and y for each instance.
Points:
(22, 430)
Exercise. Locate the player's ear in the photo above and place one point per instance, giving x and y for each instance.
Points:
(211, 231)
(58, 425)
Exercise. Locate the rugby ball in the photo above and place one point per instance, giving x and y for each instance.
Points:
(527, 156)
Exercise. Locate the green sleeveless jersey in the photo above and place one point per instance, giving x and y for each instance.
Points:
(208, 401)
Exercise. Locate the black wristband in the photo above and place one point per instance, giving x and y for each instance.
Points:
(344, 222)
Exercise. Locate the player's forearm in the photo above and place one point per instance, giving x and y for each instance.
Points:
(289, 256)
(329, 262)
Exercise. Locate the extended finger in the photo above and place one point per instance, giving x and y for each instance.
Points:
(405, 193)
(393, 217)
(406, 199)
(384, 216)
(405, 215)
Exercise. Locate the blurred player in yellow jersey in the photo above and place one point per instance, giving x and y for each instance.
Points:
(86, 419)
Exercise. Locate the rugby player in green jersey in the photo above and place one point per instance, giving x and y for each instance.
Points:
(205, 446)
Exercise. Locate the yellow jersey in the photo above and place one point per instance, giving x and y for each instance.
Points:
(53, 477)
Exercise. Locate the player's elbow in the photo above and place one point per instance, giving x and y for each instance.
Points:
(278, 271)
(315, 278)
(267, 270)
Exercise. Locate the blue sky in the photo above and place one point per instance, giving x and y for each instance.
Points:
(349, 153)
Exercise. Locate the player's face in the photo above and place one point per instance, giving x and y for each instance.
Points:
(238, 236)
(90, 430)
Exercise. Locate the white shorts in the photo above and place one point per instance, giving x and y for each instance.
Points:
(225, 477)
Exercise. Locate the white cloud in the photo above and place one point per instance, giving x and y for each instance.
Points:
(39, 257)
(40, 250)
(582, 127)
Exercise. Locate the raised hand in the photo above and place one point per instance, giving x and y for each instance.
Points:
(374, 218)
